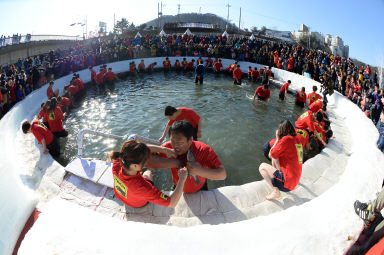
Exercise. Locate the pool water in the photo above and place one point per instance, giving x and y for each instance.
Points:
(234, 127)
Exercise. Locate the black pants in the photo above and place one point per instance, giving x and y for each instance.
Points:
(301, 104)
(197, 79)
(282, 95)
(63, 133)
(195, 132)
(54, 148)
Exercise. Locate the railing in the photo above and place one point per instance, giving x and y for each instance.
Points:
(80, 139)
(18, 39)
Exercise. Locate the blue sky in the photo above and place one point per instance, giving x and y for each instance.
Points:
(359, 23)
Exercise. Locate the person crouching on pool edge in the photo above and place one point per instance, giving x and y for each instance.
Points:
(287, 161)
(201, 161)
(136, 190)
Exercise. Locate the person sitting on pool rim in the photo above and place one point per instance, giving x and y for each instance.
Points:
(136, 190)
(201, 161)
(287, 159)
(181, 113)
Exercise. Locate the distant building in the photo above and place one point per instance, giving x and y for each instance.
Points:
(304, 31)
(281, 35)
(337, 47)
(336, 44)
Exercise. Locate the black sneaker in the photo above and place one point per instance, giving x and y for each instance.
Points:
(362, 210)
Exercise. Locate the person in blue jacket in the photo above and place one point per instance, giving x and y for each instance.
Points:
(199, 72)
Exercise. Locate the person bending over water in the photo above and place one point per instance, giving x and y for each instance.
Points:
(287, 159)
(136, 190)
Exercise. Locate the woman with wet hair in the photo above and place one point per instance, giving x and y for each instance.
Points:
(287, 159)
(136, 190)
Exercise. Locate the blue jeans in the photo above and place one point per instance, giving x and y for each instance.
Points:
(380, 142)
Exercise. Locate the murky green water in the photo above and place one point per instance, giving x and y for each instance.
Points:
(234, 127)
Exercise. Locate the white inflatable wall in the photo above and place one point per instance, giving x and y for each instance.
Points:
(322, 225)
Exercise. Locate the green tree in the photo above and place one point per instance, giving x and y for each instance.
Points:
(263, 30)
(254, 30)
(132, 26)
(121, 26)
(142, 26)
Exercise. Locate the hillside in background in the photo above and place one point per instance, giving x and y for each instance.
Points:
(207, 18)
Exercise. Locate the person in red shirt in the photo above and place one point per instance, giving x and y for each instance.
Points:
(313, 96)
(249, 73)
(43, 136)
(110, 76)
(151, 66)
(237, 73)
(136, 190)
(231, 67)
(262, 93)
(291, 63)
(217, 66)
(166, 64)
(201, 161)
(141, 66)
(284, 90)
(190, 65)
(301, 98)
(93, 75)
(132, 68)
(55, 120)
(177, 65)
(184, 63)
(50, 92)
(43, 114)
(182, 113)
(316, 106)
(208, 62)
(287, 159)
(255, 74)
(306, 121)
(100, 77)
(64, 103)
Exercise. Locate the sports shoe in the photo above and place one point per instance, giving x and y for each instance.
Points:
(363, 210)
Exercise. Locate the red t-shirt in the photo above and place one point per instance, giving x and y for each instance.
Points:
(209, 62)
(237, 74)
(150, 67)
(166, 64)
(65, 101)
(190, 65)
(141, 66)
(186, 114)
(93, 75)
(255, 74)
(43, 114)
(79, 84)
(110, 76)
(50, 92)
(204, 155)
(301, 96)
(284, 88)
(135, 191)
(291, 62)
(316, 106)
(302, 135)
(218, 66)
(99, 78)
(263, 93)
(177, 64)
(289, 152)
(184, 63)
(55, 120)
(73, 90)
(313, 96)
(305, 121)
(40, 131)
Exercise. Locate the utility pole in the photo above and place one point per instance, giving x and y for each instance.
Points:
(158, 15)
(178, 13)
(114, 21)
(228, 13)
(240, 19)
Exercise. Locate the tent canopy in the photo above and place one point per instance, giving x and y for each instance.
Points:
(162, 33)
(188, 32)
(225, 34)
(138, 35)
(252, 37)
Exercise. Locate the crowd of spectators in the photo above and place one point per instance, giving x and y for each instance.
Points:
(358, 83)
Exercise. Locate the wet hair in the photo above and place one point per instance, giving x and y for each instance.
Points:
(303, 89)
(26, 126)
(329, 133)
(51, 82)
(131, 152)
(289, 81)
(182, 127)
(314, 88)
(286, 128)
(169, 110)
(265, 86)
(53, 104)
(319, 116)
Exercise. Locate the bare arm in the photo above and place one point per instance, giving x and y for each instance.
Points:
(155, 148)
(44, 146)
(175, 197)
(156, 162)
(199, 129)
(195, 168)
(164, 133)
